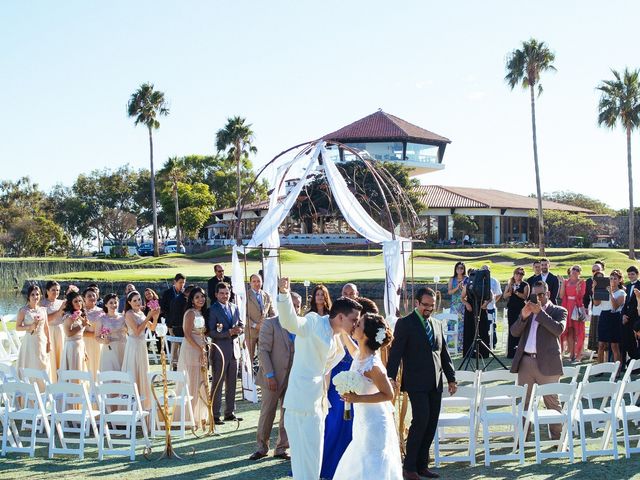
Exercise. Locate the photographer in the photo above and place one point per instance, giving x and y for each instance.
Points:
(474, 306)
(516, 292)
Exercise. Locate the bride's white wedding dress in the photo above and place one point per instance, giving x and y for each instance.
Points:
(374, 451)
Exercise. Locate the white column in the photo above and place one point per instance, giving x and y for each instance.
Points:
(496, 230)
(449, 227)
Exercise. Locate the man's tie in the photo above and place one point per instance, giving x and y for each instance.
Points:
(259, 299)
(430, 336)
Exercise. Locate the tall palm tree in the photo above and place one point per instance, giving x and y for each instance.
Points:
(176, 173)
(620, 102)
(236, 138)
(146, 105)
(524, 66)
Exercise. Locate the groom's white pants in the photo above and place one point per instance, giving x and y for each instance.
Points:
(306, 438)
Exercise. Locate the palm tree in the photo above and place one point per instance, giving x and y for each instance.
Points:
(146, 105)
(236, 138)
(524, 66)
(176, 173)
(620, 102)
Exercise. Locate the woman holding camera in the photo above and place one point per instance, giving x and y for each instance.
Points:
(610, 323)
(516, 292)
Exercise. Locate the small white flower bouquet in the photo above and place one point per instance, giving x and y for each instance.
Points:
(348, 381)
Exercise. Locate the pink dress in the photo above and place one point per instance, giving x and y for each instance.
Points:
(573, 294)
(56, 336)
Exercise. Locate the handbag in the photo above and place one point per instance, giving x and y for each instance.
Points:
(578, 314)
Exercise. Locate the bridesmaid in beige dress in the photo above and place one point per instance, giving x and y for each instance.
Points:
(94, 349)
(192, 354)
(111, 332)
(55, 311)
(34, 350)
(75, 323)
(136, 358)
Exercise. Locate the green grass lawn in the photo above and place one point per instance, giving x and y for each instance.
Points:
(358, 266)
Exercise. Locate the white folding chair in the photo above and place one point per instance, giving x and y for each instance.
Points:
(150, 338)
(495, 378)
(172, 346)
(458, 412)
(75, 408)
(6, 405)
(80, 377)
(113, 376)
(608, 370)
(450, 328)
(120, 406)
(13, 342)
(627, 410)
(503, 416)
(8, 373)
(570, 373)
(6, 356)
(601, 416)
(23, 411)
(40, 378)
(538, 415)
(181, 401)
(631, 366)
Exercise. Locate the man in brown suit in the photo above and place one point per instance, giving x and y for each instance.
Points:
(538, 358)
(259, 307)
(275, 352)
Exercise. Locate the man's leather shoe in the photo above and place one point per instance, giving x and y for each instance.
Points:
(407, 475)
(229, 418)
(426, 473)
(218, 421)
(283, 456)
(257, 456)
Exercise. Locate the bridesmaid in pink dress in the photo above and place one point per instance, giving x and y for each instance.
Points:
(55, 311)
(572, 292)
(111, 332)
(75, 323)
(92, 346)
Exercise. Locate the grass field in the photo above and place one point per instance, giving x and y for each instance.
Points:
(359, 266)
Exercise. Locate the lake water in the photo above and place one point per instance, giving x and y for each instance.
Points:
(11, 301)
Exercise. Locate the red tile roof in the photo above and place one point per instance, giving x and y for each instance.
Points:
(437, 196)
(382, 126)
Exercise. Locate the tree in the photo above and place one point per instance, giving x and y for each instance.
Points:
(578, 200)
(620, 103)
(560, 225)
(175, 172)
(34, 236)
(524, 67)
(73, 215)
(18, 199)
(146, 105)
(236, 138)
(196, 203)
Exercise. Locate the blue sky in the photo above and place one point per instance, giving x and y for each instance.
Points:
(297, 70)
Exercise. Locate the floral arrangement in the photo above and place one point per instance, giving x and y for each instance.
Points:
(104, 332)
(76, 321)
(198, 322)
(153, 304)
(348, 382)
(381, 335)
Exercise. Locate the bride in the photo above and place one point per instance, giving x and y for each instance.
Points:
(374, 451)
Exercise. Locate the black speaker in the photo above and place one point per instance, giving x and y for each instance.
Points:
(480, 285)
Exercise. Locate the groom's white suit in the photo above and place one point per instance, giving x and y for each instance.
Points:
(318, 350)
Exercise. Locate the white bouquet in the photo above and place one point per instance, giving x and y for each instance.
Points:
(348, 381)
(198, 322)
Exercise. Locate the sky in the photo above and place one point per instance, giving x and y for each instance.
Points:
(297, 70)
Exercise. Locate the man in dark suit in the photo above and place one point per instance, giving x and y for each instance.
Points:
(550, 279)
(420, 343)
(538, 357)
(630, 317)
(536, 274)
(224, 327)
(217, 278)
(170, 294)
(275, 352)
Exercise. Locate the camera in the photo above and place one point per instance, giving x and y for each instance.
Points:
(533, 298)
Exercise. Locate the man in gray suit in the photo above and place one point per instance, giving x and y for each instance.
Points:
(224, 327)
(538, 356)
(259, 307)
(275, 352)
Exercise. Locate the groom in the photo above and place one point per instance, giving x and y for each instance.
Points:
(318, 350)
(420, 343)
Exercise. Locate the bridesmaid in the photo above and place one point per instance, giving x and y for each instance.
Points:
(136, 358)
(94, 312)
(193, 354)
(55, 311)
(35, 347)
(111, 332)
(75, 323)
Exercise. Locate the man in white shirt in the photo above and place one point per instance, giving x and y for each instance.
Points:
(550, 279)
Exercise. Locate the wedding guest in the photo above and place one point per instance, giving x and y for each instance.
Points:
(320, 300)
(35, 346)
(259, 307)
(111, 333)
(550, 279)
(537, 273)
(213, 282)
(169, 294)
(454, 288)
(193, 355)
(75, 323)
(337, 430)
(136, 358)
(516, 292)
(538, 358)
(275, 355)
(150, 299)
(587, 302)
(55, 311)
(572, 293)
(629, 317)
(610, 323)
(225, 326)
(421, 345)
(91, 344)
(99, 301)
(130, 287)
(350, 290)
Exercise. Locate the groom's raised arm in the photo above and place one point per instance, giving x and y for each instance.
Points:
(289, 319)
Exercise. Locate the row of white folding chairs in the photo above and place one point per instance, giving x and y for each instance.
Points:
(119, 407)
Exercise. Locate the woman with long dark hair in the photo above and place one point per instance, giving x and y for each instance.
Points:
(111, 333)
(34, 350)
(75, 323)
(320, 300)
(610, 323)
(516, 293)
(55, 311)
(455, 288)
(94, 314)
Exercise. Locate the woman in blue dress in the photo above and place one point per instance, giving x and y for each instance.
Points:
(456, 285)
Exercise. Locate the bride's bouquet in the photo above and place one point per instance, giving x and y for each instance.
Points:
(348, 381)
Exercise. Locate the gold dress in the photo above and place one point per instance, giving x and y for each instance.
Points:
(94, 349)
(33, 350)
(74, 355)
(113, 352)
(190, 361)
(136, 360)
(56, 336)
